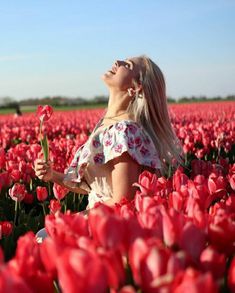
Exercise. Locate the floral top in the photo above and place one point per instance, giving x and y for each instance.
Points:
(89, 170)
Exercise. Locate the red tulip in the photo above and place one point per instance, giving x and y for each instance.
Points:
(6, 227)
(54, 206)
(59, 191)
(148, 261)
(44, 113)
(172, 226)
(147, 182)
(28, 265)
(221, 231)
(212, 261)
(193, 240)
(113, 262)
(42, 193)
(194, 281)
(10, 282)
(17, 192)
(81, 271)
(101, 222)
(15, 175)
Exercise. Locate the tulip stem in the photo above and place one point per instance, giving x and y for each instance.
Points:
(57, 289)
(65, 204)
(44, 210)
(16, 209)
(49, 190)
(74, 200)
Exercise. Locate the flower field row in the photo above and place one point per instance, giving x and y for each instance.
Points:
(177, 235)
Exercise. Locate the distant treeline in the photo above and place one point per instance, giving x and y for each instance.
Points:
(8, 102)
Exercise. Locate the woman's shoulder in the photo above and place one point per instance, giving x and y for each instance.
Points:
(126, 136)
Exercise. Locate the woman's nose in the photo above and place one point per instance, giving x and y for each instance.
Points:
(117, 62)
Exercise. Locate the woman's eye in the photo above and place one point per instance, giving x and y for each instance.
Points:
(127, 65)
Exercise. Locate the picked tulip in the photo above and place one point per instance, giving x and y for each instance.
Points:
(44, 113)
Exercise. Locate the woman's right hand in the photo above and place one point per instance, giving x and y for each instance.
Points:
(43, 170)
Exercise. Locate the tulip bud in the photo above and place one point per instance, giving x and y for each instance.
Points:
(42, 193)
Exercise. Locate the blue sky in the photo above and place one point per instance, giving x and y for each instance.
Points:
(63, 47)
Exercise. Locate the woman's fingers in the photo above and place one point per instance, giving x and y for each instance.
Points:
(43, 169)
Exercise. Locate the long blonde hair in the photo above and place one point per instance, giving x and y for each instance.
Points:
(149, 108)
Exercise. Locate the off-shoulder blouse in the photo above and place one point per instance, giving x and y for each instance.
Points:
(90, 169)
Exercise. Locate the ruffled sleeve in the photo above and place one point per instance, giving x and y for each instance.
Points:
(111, 142)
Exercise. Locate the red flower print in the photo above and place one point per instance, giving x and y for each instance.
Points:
(96, 142)
(132, 129)
(99, 158)
(119, 126)
(118, 148)
(107, 142)
(131, 142)
(138, 141)
(144, 151)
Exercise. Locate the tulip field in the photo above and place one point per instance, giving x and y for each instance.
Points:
(176, 235)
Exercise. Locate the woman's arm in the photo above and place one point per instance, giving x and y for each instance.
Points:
(45, 172)
(125, 172)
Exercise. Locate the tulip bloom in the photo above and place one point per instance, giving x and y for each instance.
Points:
(147, 183)
(59, 191)
(44, 113)
(54, 206)
(17, 192)
(42, 193)
(6, 228)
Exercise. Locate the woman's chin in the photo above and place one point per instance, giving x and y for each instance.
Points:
(106, 78)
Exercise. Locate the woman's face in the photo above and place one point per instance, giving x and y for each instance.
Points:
(122, 74)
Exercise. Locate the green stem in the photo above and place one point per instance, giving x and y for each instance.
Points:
(49, 190)
(16, 209)
(44, 210)
(65, 204)
(74, 200)
(57, 290)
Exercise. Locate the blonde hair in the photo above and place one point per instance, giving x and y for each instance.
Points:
(149, 108)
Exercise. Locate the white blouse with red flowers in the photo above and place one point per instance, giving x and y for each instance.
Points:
(90, 166)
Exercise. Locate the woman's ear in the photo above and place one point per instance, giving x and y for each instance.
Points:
(139, 88)
(131, 92)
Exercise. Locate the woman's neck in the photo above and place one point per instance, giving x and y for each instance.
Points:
(117, 105)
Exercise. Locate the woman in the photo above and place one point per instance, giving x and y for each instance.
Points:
(134, 135)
